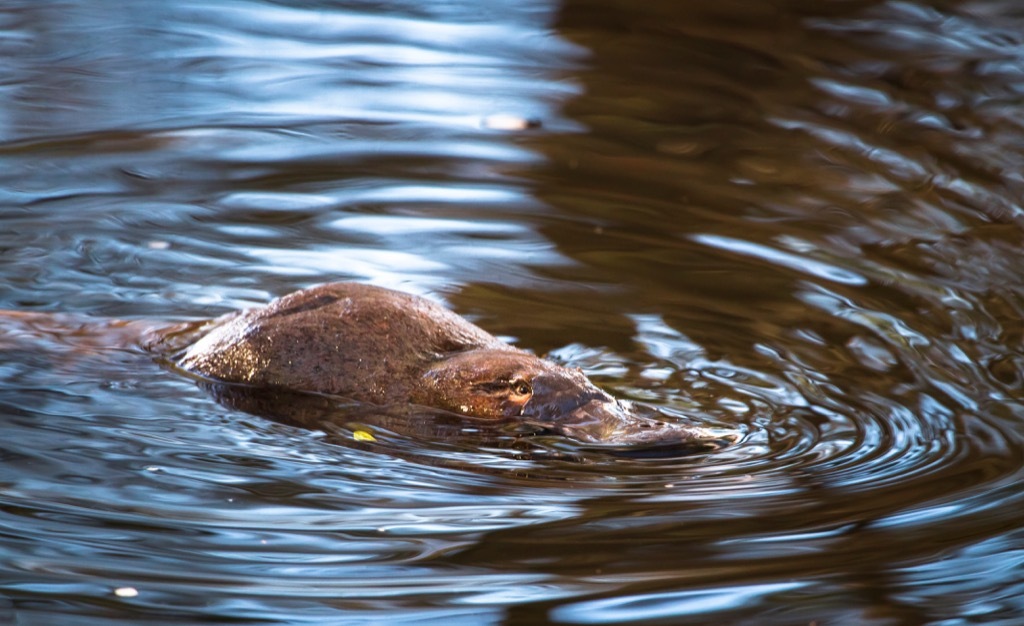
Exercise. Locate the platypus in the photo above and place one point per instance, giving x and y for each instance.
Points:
(384, 347)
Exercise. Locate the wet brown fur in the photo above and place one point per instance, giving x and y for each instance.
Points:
(374, 345)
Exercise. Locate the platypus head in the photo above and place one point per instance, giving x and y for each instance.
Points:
(513, 385)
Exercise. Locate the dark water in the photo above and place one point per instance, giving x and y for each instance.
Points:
(799, 218)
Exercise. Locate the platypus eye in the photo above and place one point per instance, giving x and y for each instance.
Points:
(520, 387)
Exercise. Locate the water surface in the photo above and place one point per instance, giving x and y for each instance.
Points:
(799, 219)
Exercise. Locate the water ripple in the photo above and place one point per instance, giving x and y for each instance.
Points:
(796, 222)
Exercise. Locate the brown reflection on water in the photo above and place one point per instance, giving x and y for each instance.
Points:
(744, 162)
(827, 194)
(812, 129)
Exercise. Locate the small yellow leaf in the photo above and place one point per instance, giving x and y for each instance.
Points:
(363, 435)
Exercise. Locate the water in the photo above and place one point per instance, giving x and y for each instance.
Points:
(800, 219)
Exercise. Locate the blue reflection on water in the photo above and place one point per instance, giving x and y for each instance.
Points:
(650, 606)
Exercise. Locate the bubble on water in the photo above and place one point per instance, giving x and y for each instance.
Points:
(504, 121)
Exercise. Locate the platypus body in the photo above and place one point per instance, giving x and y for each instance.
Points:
(388, 348)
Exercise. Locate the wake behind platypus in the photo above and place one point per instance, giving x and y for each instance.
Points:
(386, 348)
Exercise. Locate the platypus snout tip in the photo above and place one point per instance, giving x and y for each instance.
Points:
(678, 435)
(622, 423)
